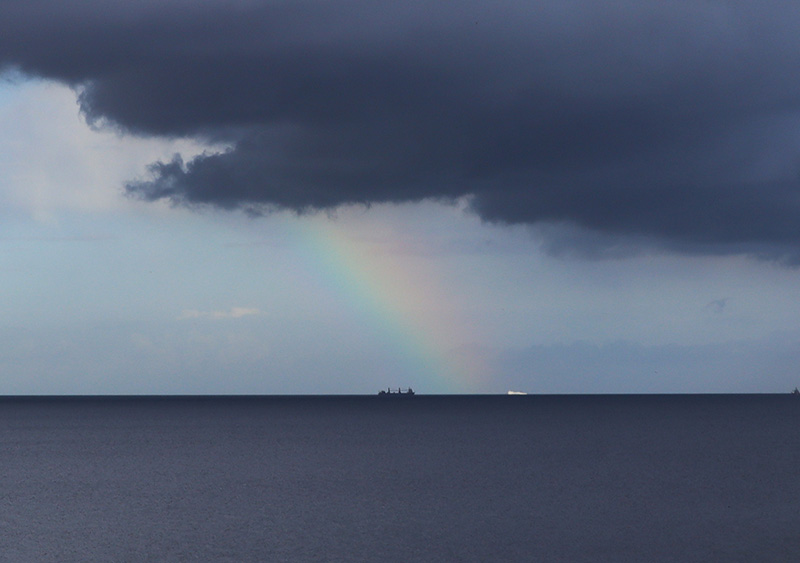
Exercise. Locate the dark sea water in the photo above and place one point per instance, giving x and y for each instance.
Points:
(448, 478)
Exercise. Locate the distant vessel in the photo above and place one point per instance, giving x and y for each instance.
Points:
(517, 393)
(390, 391)
(796, 391)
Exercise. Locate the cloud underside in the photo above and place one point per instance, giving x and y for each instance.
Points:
(672, 124)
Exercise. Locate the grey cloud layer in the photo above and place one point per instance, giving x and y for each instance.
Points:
(675, 122)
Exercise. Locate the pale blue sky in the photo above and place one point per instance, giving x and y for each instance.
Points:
(104, 294)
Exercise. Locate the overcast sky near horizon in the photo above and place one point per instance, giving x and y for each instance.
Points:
(316, 197)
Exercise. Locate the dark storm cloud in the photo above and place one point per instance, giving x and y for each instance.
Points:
(674, 123)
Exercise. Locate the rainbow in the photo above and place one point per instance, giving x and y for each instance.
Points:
(401, 297)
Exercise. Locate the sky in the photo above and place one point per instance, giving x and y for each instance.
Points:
(337, 197)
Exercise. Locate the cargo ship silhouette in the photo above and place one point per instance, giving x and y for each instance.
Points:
(399, 392)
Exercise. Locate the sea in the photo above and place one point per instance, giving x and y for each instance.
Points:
(649, 478)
